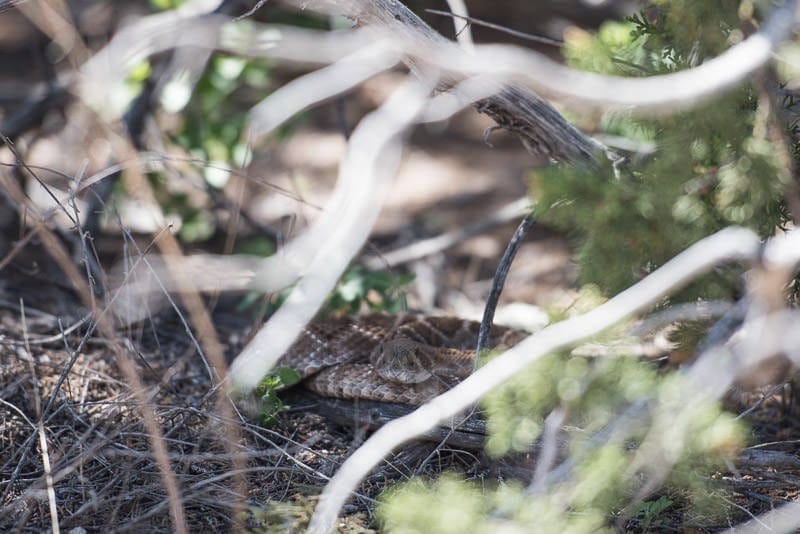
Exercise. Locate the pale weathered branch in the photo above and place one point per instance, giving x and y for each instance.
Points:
(365, 176)
(514, 107)
(733, 244)
(708, 379)
(654, 95)
(166, 31)
(784, 518)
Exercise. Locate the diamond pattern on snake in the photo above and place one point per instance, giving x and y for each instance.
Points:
(406, 359)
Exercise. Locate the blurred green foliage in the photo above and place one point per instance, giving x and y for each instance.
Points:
(215, 117)
(358, 290)
(208, 117)
(361, 290)
(212, 117)
(714, 166)
(592, 394)
(292, 515)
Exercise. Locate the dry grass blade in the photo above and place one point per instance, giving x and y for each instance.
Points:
(131, 425)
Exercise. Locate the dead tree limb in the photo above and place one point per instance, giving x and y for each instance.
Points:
(542, 129)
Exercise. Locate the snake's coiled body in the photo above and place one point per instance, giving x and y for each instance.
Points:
(406, 359)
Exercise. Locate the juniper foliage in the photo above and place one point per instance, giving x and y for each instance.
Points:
(711, 167)
(696, 172)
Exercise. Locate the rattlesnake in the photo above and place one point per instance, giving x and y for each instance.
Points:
(405, 359)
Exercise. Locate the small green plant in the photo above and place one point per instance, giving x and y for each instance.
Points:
(360, 289)
(293, 515)
(357, 289)
(267, 391)
(648, 511)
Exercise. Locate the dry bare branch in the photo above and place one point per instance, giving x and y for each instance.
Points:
(320, 85)
(732, 244)
(463, 31)
(654, 95)
(541, 128)
(782, 519)
(176, 29)
(365, 175)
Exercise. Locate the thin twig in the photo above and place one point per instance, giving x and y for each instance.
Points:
(772, 391)
(48, 475)
(504, 29)
(49, 339)
(499, 281)
(464, 33)
(433, 245)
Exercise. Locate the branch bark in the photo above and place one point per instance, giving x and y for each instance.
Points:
(542, 129)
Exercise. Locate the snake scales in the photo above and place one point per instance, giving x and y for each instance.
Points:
(405, 359)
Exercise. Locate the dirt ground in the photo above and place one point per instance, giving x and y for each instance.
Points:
(99, 456)
(71, 428)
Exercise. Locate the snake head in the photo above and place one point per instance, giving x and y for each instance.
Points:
(402, 360)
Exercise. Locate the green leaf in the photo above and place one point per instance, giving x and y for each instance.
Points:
(288, 376)
(647, 511)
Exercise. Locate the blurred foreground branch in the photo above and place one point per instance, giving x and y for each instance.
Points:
(706, 379)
